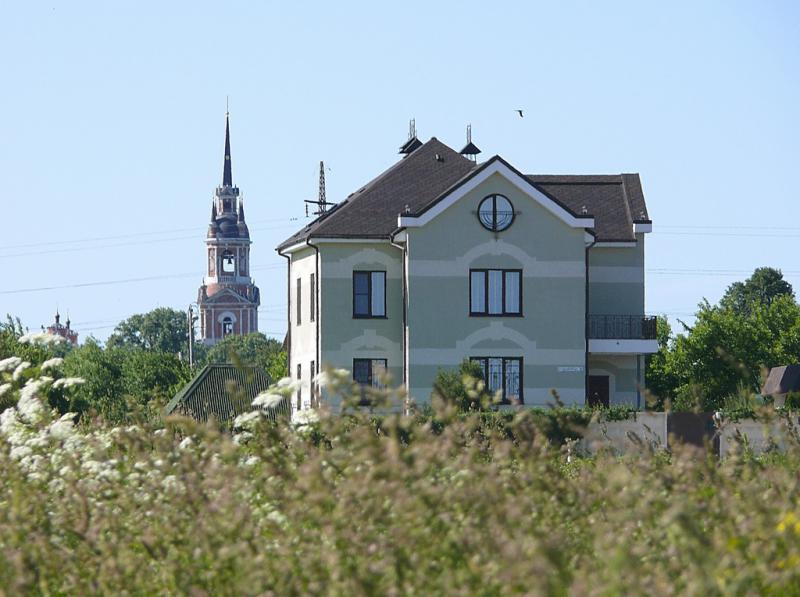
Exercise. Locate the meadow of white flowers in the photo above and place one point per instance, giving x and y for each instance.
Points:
(444, 503)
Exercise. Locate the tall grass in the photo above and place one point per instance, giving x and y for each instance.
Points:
(340, 505)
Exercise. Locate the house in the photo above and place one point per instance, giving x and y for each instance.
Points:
(221, 391)
(782, 382)
(538, 278)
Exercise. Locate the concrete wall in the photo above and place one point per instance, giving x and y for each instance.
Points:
(760, 437)
(552, 258)
(646, 431)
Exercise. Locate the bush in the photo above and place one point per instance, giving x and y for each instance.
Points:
(481, 504)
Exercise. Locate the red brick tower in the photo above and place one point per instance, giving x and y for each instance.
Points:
(228, 300)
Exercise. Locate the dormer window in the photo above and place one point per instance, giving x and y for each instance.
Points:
(496, 213)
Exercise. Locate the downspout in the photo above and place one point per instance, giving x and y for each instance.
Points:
(288, 311)
(586, 328)
(316, 313)
(404, 250)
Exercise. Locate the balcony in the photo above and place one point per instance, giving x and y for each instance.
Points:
(622, 334)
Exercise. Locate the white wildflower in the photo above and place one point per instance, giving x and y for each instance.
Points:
(185, 443)
(304, 417)
(9, 364)
(4, 388)
(251, 461)
(323, 379)
(284, 382)
(42, 338)
(68, 382)
(54, 362)
(19, 370)
(29, 405)
(267, 399)
(242, 438)
(20, 452)
(160, 432)
(246, 420)
(63, 427)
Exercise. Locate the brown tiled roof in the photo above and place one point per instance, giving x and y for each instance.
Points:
(420, 179)
(616, 200)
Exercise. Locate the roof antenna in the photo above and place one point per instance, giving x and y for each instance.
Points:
(412, 143)
(321, 202)
(470, 150)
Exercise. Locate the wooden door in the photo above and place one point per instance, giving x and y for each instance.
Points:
(598, 390)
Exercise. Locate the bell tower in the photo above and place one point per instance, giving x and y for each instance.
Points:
(228, 299)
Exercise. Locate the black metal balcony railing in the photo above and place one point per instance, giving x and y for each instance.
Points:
(622, 327)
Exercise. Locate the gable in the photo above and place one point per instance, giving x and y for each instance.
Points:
(227, 296)
(496, 167)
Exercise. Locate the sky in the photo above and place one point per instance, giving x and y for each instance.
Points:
(112, 131)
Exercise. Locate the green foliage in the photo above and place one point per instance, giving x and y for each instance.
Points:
(482, 505)
(464, 389)
(162, 329)
(764, 286)
(729, 348)
(251, 349)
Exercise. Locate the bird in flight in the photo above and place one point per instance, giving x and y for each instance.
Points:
(520, 113)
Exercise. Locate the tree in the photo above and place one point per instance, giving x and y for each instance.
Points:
(149, 376)
(162, 329)
(727, 351)
(662, 378)
(251, 349)
(103, 388)
(764, 286)
(463, 388)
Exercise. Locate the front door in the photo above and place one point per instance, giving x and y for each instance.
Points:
(598, 390)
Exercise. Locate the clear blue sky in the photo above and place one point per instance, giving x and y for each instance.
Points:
(113, 114)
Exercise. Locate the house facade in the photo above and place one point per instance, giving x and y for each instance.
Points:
(539, 279)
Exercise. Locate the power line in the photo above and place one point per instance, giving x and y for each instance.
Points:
(132, 235)
(122, 281)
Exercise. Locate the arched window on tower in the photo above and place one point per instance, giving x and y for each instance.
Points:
(227, 326)
(228, 262)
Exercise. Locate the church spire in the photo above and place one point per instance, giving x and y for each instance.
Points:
(227, 176)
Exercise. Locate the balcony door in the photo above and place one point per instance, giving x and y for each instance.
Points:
(598, 390)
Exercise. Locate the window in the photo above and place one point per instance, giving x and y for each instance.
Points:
(369, 294)
(503, 374)
(299, 386)
(312, 298)
(299, 305)
(369, 373)
(228, 262)
(227, 326)
(495, 292)
(496, 213)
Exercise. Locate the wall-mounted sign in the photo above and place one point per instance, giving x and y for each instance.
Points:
(570, 369)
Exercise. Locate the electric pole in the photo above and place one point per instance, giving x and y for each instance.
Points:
(190, 320)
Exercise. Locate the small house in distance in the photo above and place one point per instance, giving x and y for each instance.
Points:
(219, 391)
(781, 382)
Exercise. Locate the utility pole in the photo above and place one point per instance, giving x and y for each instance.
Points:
(321, 203)
(190, 321)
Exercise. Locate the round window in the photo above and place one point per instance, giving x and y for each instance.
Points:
(496, 213)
